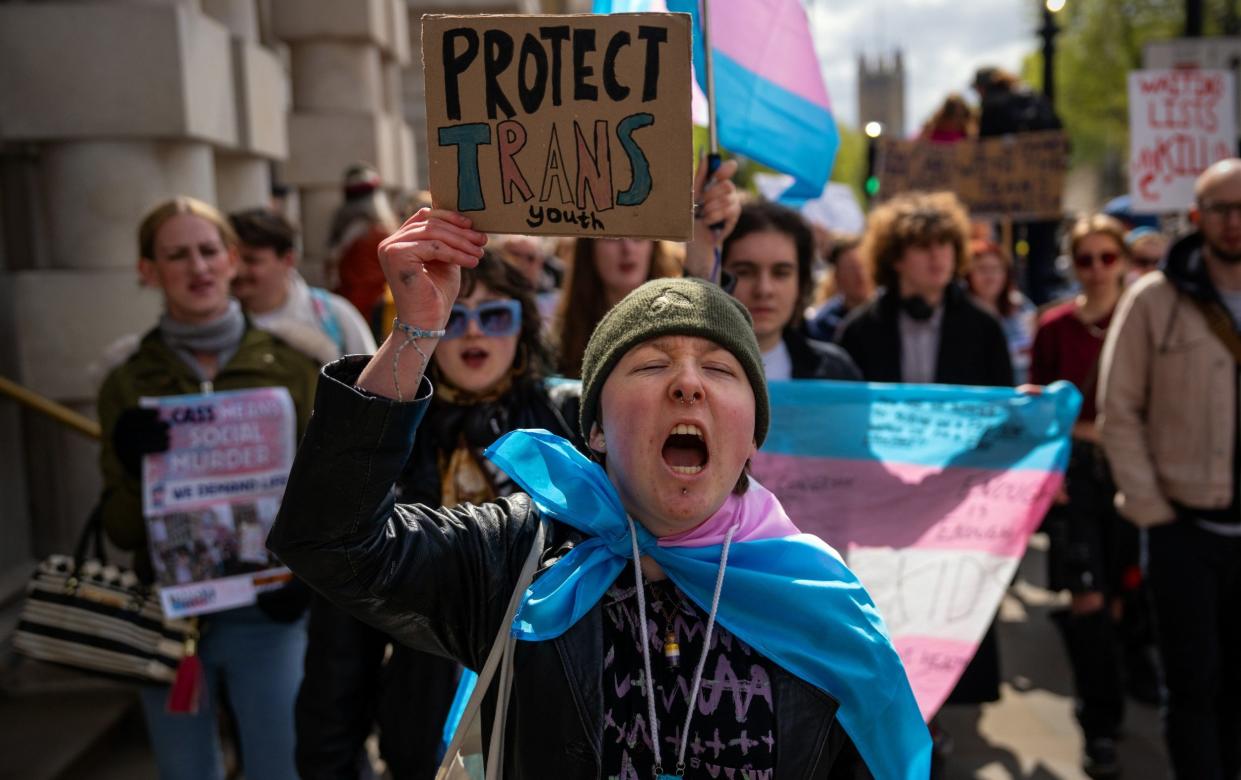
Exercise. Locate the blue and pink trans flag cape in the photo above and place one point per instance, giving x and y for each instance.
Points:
(930, 492)
(785, 593)
(770, 100)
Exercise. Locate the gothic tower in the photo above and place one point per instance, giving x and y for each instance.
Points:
(881, 92)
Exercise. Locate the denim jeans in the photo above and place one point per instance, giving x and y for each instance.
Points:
(1195, 580)
(260, 662)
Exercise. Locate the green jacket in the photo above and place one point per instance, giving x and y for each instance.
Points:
(262, 360)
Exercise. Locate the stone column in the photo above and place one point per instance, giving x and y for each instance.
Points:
(413, 99)
(345, 58)
(140, 102)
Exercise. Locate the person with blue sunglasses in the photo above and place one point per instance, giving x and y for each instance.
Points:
(489, 376)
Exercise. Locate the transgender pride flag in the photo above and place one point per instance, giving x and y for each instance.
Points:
(771, 102)
(929, 491)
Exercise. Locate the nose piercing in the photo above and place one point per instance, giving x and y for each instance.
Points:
(687, 401)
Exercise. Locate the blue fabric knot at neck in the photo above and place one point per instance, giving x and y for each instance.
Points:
(790, 598)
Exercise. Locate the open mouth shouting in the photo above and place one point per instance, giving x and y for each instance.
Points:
(474, 357)
(685, 450)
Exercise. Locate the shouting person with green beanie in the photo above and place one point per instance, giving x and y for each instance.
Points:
(678, 624)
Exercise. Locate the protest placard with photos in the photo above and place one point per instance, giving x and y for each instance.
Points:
(1019, 176)
(573, 125)
(210, 500)
(1180, 122)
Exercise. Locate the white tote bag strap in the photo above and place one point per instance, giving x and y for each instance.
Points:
(500, 657)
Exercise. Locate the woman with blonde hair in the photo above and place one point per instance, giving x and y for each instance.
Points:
(203, 343)
(1092, 547)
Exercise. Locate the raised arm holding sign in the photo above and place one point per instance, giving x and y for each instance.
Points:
(561, 125)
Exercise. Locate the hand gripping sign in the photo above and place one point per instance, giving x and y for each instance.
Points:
(562, 125)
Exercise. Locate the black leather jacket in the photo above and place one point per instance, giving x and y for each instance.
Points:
(439, 580)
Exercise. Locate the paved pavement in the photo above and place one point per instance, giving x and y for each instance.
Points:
(1030, 732)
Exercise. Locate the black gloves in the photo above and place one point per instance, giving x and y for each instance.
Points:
(138, 432)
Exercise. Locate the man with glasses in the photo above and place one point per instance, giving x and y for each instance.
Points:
(1168, 396)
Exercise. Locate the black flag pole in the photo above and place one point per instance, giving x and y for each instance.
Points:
(713, 143)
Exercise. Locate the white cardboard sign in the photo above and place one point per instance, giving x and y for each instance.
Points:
(1180, 122)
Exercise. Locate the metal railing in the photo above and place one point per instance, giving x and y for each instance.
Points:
(58, 412)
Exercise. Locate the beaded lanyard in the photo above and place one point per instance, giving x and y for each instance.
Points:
(702, 659)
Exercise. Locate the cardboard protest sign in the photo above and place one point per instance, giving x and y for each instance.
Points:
(1019, 176)
(1180, 122)
(210, 500)
(930, 493)
(562, 125)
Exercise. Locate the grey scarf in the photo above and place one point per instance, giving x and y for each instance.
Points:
(221, 336)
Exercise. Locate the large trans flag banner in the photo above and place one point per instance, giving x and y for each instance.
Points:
(771, 101)
(930, 492)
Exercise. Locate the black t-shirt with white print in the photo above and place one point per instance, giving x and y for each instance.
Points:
(732, 734)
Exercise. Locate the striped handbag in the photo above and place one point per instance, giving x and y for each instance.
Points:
(82, 612)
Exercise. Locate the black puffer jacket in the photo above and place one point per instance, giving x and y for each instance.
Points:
(440, 579)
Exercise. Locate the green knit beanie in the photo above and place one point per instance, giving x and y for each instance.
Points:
(673, 307)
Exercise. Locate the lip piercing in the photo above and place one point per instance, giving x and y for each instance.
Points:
(685, 491)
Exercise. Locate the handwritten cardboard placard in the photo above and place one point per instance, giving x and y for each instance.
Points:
(1180, 122)
(1019, 176)
(562, 125)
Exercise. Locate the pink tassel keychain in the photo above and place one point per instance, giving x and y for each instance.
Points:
(187, 685)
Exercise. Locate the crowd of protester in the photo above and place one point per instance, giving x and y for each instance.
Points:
(1151, 337)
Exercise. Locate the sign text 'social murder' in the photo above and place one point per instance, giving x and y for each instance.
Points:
(561, 125)
(211, 498)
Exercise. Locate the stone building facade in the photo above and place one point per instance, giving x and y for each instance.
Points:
(108, 107)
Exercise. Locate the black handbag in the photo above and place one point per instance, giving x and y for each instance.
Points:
(83, 612)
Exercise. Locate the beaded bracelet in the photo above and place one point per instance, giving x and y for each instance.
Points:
(412, 335)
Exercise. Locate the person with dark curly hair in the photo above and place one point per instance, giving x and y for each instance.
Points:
(489, 373)
(1093, 551)
(925, 328)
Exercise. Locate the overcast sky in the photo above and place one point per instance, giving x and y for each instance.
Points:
(944, 42)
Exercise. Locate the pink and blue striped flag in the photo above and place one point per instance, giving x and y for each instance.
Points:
(771, 102)
(930, 492)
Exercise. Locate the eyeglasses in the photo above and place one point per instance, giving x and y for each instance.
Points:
(1223, 210)
(1085, 259)
(494, 318)
(1146, 262)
